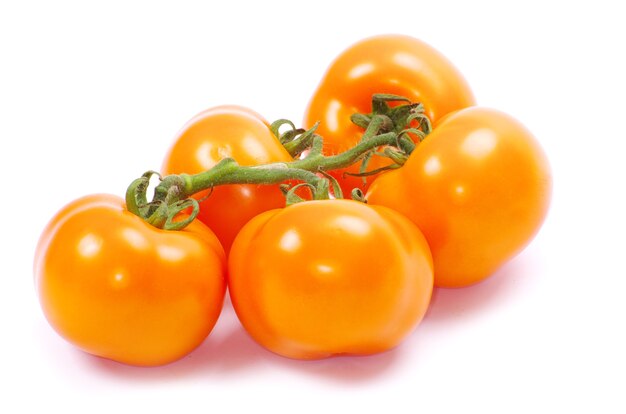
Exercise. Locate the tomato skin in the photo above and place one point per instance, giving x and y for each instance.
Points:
(478, 187)
(332, 277)
(392, 64)
(119, 288)
(218, 133)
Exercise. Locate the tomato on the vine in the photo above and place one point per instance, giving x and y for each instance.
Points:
(119, 288)
(478, 187)
(228, 132)
(330, 277)
(390, 64)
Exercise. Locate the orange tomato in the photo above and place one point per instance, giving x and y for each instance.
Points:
(391, 64)
(478, 187)
(228, 132)
(118, 288)
(331, 277)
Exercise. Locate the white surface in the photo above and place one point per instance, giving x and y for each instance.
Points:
(91, 96)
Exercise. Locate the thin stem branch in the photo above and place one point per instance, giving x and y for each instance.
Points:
(228, 171)
(385, 126)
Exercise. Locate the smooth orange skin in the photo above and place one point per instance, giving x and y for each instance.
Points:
(391, 64)
(333, 277)
(218, 133)
(478, 187)
(119, 288)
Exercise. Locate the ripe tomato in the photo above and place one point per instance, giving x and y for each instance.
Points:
(218, 133)
(118, 288)
(391, 64)
(323, 278)
(478, 187)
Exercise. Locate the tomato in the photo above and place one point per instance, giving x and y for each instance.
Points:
(218, 133)
(479, 188)
(330, 277)
(390, 64)
(118, 288)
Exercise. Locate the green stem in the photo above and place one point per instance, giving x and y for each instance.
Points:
(296, 146)
(378, 123)
(317, 161)
(177, 187)
(385, 126)
(228, 171)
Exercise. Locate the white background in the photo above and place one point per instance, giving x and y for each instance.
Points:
(92, 95)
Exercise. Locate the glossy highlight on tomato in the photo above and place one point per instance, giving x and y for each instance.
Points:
(228, 131)
(119, 288)
(390, 64)
(478, 187)
(330, 277)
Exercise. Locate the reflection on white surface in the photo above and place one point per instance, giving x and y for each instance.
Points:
(89, 245)
(479, 143)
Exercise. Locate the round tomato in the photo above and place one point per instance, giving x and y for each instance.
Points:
(390, 64)
(478, 187)
(228, 132)
(118, 288)
(330, 277)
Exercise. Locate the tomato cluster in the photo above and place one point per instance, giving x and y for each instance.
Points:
(319, 277)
